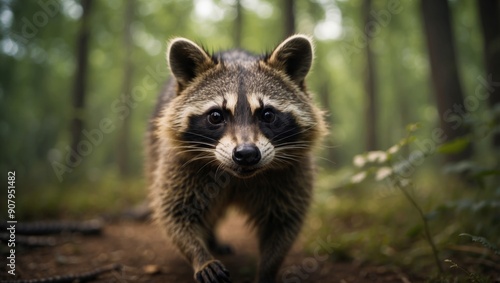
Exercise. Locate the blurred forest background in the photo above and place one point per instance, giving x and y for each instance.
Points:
(79, 79)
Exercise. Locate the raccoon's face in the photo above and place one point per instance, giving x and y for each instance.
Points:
(240, 112)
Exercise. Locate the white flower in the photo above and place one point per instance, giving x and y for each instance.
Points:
(377, 156)
(395, 148)
(383, 173)
(359, 161)
(358, 178)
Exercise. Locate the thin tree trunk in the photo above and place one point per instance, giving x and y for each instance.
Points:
(370, 85)
(80, 82)
(445, 81)
(398, 84)
(238, 25)
(289, 10)
(123, 138)
(489, 11)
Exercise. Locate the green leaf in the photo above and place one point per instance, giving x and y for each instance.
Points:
(483, 242)
(454, 146)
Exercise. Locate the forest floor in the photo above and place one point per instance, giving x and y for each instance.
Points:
(147, 256)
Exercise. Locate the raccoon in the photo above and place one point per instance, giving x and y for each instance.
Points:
(233, 128)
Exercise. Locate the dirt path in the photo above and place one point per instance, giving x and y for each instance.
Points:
(148, 257)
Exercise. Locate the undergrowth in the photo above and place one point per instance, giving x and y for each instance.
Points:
(416, 219)
(107, 195)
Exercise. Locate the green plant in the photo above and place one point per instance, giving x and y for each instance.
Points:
(381, 165)
(477, 210)
(472, 277)
(483, 242)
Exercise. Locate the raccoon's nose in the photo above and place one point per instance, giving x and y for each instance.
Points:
(246, 155)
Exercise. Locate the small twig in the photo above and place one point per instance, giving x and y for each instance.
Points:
(82, 277)
(426, 226)
(473, 277)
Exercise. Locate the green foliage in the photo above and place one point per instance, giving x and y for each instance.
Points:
(381, 164)
(442, 214)
(472, 277)
(483, 242)
(108, 196)
(454, 146)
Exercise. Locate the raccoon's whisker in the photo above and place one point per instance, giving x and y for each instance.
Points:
(196, 143)
(291, 150)
(296, 145)
(198, 150)
(294, 134)
(201, 143)
(192, 147)
(295, 142)
(329, 146)
(282, 162)
(326, 159)
(288, 157)
(221, 166)
(196, 159)
(206, 164)
(298, 156)
(287, 146)
(303, 145)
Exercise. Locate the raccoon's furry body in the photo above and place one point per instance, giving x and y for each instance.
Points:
(233, 129)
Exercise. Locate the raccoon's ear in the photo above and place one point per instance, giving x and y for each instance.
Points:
(187, 60)
(294, 57)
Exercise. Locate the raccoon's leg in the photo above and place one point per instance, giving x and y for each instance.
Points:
(211, 240)
(279, 220)
(191, 242)
(217, 247)
(276, 237)
(185, 218)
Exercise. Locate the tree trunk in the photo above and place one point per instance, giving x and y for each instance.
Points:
(289, 20)
(238, 25)
(123, 137)
(370, 84)
(489, 11)
(399, 86)
(445, 81)
(80, 82)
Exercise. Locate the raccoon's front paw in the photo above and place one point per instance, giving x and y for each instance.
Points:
(213, 272)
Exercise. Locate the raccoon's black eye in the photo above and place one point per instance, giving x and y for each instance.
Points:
(268, 116)
(215, 117)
